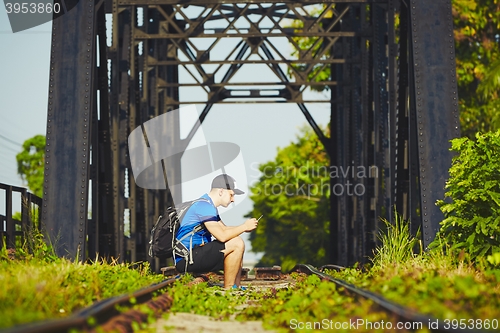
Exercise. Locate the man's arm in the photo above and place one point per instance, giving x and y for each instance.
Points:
(223, 233)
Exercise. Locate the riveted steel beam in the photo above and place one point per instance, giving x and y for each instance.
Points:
(434, 91)
(71, 97)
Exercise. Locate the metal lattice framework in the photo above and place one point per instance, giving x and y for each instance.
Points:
(393, 105)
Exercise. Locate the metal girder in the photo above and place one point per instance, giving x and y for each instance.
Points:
(69, 118)
(101, 225)
(185, 27)
(434, 93)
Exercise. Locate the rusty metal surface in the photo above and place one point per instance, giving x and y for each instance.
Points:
(267, 273)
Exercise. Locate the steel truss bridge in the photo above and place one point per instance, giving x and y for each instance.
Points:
(393, 101)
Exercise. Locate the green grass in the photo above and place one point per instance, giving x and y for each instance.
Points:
(431, 282)
(37, 285)
(397, 244)
(33, 289)
(312, 305)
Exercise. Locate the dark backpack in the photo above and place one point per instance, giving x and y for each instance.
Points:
(162, 241)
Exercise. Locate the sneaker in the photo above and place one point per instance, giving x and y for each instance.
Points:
(240, 287)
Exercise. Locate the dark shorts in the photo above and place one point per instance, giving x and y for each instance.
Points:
(207, 258)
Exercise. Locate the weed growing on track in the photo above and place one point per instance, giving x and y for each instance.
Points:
(312, 305)
(398, 244)
(208, 301)
(431, 282)
(36, 285)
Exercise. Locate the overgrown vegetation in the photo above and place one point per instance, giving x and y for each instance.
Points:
(35, 284)
(312, 305)
(452, 289)
(472, 215)
(199, 299)
(398, 244)
(433, 282)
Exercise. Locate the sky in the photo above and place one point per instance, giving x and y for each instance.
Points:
(258, 129)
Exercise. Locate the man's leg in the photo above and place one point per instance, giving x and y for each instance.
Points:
(233, 260)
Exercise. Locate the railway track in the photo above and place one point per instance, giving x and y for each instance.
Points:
(109, 315)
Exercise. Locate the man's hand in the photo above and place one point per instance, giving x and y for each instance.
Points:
(224, 233)
(251, 224)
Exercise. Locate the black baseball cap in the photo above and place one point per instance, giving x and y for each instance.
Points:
(227, 182)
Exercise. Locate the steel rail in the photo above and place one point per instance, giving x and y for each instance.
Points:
(390, 306)
(101, 311)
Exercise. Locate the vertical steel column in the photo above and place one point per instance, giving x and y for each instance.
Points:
(71, 94)
(401, 166)
(170, 96)
(356, 196)
(365, 137)
(132, 122)
(102, 164)
(435, 89)
(392, 102)
(334, 248)
(381, 112)
(120, 51)
(340, 159)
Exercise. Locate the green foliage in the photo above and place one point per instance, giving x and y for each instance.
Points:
(433, 283)
(202, 300)
(31, 245)
(494, 259)
(397, 243)
(472, 218)
(34, 289)
(312, 305)
(293, 195)
(476, 25)
(430, 283)
(30, 163)
(38, 285)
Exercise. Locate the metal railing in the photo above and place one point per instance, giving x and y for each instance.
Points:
(14, 229)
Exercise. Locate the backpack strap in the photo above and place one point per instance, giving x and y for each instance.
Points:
(178, 245)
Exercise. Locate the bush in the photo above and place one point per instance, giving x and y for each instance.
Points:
(472, 217)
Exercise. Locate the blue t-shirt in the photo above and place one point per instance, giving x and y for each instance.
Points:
(199, 212)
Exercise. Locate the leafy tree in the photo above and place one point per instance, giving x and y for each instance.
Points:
(30, 163)
(293, 195)
(472, 219)
(476, 26)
